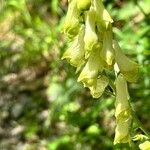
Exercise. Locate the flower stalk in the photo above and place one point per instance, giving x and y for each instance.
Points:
(89, 26)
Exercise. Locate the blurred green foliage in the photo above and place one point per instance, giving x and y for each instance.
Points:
(42, 105)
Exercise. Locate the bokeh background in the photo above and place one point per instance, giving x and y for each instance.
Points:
(42, 107)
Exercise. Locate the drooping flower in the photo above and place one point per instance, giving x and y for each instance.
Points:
(93, 66)
(122, 111)
(122, 97)
(75, 53)
(90, 38)
(99, 86)
(107, 52)
(83, 4)
(127, 67)
(72, 20)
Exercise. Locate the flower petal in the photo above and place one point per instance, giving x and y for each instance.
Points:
(103, 17)
(107, 52)
(122, 134)
(90, 38)
(93, 66)
(75, 54)
(71, 24)
(122, 112)
(98, 88)
(127, 67)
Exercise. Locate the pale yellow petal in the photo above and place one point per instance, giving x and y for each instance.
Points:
(122, 134)
(122, 96)
(127, 67)
(107, 52)
(98, 88)
(75, 53)
(93, 66)
(71, 24)
(90, 38)
(103, 17)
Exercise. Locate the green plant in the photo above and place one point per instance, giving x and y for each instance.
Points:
(95, 52)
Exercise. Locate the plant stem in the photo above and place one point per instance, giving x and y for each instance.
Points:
(139, 123)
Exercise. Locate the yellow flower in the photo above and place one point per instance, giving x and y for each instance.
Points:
(145, 145)
(90, 38)
(122, 112)
(83, 4)
(126, 66)
(103, 17)
(107, 52)
(75, 54)
(122, 96)
(122, 134)
(71, 24)
(92, 68)
(99, 86)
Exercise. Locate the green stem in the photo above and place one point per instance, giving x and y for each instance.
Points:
(139, 123)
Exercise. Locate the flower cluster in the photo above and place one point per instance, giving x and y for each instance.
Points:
(93, 51)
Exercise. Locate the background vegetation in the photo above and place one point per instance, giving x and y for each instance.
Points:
(42, 107)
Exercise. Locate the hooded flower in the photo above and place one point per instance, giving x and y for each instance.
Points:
(75, 54)
(90, 38)
(103, 17)
(83, 4)
(127, 67)
(99, 86)
(107, 52)
(71, 25)
(92, 68)
(122, 96)
(122, 112)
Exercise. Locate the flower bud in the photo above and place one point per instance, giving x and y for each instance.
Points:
(98, 88)
(127, 67)
(107, 52)
(83, 4)
(90, 38)
(75, 54)
(71, 24)
(92, 68)
(145, 145)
